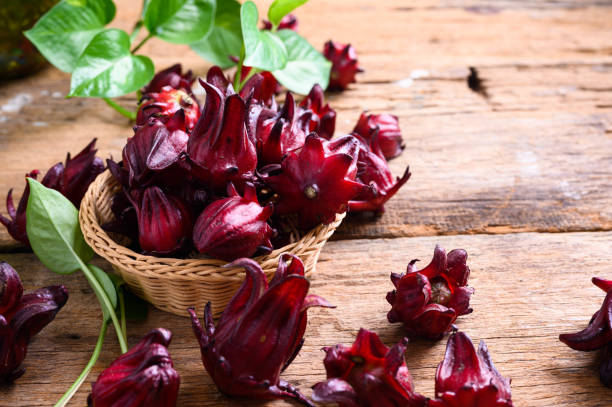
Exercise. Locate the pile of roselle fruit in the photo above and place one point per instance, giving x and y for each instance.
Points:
(242, 174)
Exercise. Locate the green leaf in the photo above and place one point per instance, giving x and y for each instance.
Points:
(108, 69)
(63, 32)
(179, 21)
(109, 287)
(305, 65)
(263, 49)
(280, 8)
(52, 223)
(225, 38)
(136, 309)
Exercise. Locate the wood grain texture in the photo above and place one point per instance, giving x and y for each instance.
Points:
(529, 288)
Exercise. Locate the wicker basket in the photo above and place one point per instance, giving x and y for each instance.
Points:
(173, 285)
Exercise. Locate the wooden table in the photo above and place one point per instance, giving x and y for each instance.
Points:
(520, 177)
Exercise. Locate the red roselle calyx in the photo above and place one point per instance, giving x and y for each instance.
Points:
(315, 185)
(428, 301)
(466, 378)
(384, 127)
(367, 374)
(164, 105)
(71, 179)
(318, 116)
(598, 334)
(144, 376)
(259, 333)
(22, 316)
(344, 64)
(164, 222)
(219, 147)
(289, 22)
(234, 227)
(172, 77)
(373, 170)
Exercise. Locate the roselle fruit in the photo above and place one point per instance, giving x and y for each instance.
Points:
(165, 104)
(319, 116)
(259, 89)
(234, 227)
(428, 301)
(260, 332)
(373, 170)
(289, 22)
(172, 77)
(164, 222)
(71, 179)
(367, 374)
(467, 378)
(154, 152)
(315, 185)
(344, 64)
(385, 127)
(219, 148)
(22, 316)
(598, 334)
(144, 376)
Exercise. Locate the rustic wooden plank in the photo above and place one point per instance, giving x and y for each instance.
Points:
(529, 288)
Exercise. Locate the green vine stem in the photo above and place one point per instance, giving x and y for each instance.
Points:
(123, 111)
(141, 43)
(121, 296)
(92, 361)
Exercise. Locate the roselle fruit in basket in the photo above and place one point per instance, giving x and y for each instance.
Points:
(385, 129)
(259, 333)
(166, 103)
(172, 77)
(22, 316)
(71, 179)
(318, 115)
(373, 170)
(234, 227)
(367, 374)
(344, 64)
(598, 333)
(428, 301)
(315, 185)
(219, 148)
(144, 376)
(467, 378)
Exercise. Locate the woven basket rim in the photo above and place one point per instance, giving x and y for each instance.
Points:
(175, 268)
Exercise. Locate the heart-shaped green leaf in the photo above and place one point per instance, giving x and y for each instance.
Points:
(225, 39)
(263, 49)
(63, 32)
(179, 21)
(107, 68)
(305, 65)
(52, 223)
(280, 8)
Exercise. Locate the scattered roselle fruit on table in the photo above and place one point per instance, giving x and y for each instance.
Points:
(259, 333)
(172, 77)
(164, 222)
(598, 334)
(142, 377)
(234, 227)
(164, 105)
(22, 316)
(289, 22)
(315, 185)
(367, 374)
(219, 148)
(344, 64)
(71, 179)
(385, 128)
(321, 117)
(373, 170)
(428, 301)
(467, 378)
